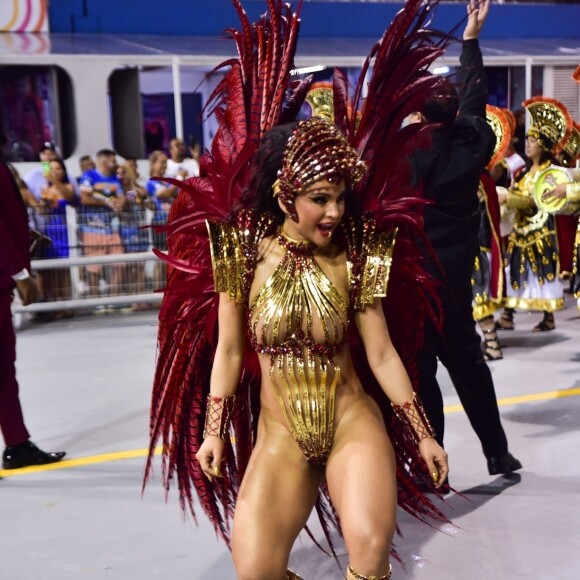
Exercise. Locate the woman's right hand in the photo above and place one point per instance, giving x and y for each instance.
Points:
(210, 456)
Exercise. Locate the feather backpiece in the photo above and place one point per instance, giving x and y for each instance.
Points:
(254, 95)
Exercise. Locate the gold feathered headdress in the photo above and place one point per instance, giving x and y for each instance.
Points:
(551, 122)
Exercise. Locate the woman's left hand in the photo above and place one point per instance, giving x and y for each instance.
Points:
(436, 459)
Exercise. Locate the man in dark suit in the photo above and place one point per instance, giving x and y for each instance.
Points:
(14, 274)
(449, 174)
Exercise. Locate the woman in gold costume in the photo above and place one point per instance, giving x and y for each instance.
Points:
(278, 387)
(316, 421)
(532, 264)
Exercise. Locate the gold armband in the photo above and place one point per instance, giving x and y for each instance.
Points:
(518, 201)
(218, 415)
(412, 415)
(573, 192)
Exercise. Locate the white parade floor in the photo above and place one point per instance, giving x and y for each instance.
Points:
(85, 388)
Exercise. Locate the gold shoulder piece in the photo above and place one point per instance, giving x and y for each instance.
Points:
(370, 263)
(573, 192)
(227, 259)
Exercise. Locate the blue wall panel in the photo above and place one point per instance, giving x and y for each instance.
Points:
(319, 19)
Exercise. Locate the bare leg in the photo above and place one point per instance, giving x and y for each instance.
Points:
(276, 497)
(361, 480)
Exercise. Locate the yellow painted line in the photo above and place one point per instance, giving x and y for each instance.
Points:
(81, 461)
(524, 399)
(136, 453)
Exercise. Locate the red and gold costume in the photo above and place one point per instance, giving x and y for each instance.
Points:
(488, 275)
(532, 260)
(298, 318)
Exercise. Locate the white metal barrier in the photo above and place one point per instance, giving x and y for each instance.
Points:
(123, 270)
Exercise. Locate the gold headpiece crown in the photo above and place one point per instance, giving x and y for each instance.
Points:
(551, 122)
(571, 149)
(497, 118)
(316, 150)
(321, 101)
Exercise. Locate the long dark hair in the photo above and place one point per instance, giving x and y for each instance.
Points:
(65, 178)
(267, 162)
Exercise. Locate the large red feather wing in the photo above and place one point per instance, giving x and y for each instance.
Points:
(396, 80)
(249, 100)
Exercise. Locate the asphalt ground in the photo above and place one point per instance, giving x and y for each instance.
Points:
(85, 388)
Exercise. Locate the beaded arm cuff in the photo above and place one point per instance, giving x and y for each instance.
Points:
(218, 415)
(412, 415)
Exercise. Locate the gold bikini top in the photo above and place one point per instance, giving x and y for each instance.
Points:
(299, 318)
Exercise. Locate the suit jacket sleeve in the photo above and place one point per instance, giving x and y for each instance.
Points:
(473, 80)
(14, 249)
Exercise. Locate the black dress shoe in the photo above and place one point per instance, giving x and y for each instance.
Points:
(504, 464)
(25, 454)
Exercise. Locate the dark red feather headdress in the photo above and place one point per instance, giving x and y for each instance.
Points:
(255, 94)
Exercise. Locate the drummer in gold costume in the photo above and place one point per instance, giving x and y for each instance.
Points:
(532, 261)
(488, 280)
(560, 192)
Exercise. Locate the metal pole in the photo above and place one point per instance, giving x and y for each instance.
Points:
(177, 97)
(528, 84)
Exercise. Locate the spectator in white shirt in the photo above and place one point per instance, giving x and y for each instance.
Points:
(179, 165)
(36, 180)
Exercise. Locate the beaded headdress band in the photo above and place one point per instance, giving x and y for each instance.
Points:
(551, 122)
(316, 150)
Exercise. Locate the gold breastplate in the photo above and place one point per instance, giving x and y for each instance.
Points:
(299, 318)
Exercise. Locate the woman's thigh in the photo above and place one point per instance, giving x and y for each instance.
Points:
(276, 497)
(361, 478)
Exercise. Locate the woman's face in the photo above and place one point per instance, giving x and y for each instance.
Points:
(56, 171)
(123, 175)
(320, 207)
(533, 148)
(159, 166)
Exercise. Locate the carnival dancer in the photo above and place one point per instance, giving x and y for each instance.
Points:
(274, 343)
(532, 262)
(488, 281)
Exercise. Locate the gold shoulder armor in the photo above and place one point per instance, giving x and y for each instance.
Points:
(573, 192)
(370, 264)
(227, 259)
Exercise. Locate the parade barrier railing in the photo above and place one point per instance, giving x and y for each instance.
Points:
(96, 259)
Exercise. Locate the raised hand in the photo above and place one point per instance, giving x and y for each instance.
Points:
(477, 11)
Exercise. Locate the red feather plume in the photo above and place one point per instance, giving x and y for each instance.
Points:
(254, 95)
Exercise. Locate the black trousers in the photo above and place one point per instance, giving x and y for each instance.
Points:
(459, 350)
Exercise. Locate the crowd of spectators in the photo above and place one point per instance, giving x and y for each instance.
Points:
(111, 205)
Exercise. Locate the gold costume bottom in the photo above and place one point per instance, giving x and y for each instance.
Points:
(306, 393)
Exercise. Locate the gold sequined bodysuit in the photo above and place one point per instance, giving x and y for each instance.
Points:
(300, 319)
